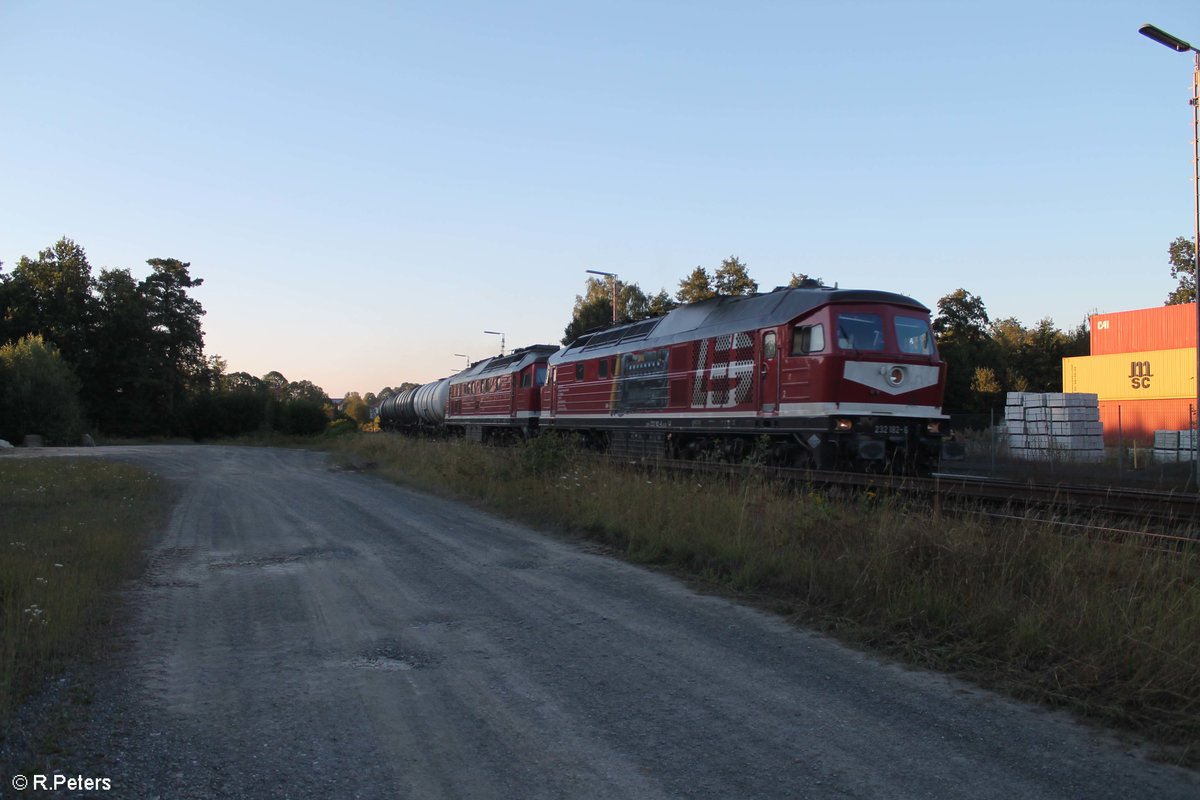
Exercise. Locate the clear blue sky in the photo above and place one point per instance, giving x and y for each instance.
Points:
(366, 187)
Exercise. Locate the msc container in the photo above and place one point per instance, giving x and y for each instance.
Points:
(1139, 419)
(1142, 375)
(1158, 328)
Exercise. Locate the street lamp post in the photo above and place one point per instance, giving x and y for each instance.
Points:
(1180, 46)
(501, 335)
(613, 276)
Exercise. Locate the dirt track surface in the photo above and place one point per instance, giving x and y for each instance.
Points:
(304, 632)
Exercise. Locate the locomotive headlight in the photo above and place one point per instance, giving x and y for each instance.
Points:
(843, 424)
(933, 427)
(894, 375)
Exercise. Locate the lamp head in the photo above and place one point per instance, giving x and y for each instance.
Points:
(1164, 38)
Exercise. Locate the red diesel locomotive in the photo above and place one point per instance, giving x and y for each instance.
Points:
(817, 377)
(501, 396)
(820, 377)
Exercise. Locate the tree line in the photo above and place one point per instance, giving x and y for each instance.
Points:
(985, 357)
(124, 356)
(593, 309)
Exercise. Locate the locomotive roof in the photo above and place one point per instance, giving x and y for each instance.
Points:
(513, 362)
(722, 315)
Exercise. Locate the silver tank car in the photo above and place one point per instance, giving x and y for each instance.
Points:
(404, 407)
(397, 410)
(387, 413)
(429, 402)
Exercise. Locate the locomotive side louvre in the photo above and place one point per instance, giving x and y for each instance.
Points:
(724, 379)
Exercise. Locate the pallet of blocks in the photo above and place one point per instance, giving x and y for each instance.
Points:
(1171, 447)
(1054, 426)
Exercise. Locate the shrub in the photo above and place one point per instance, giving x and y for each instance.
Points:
(546, 454)
(212, 415)
(39, 392)
(342, 427)
(300, 417)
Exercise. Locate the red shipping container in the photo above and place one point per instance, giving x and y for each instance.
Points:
(1139, 419)
(1157, 328)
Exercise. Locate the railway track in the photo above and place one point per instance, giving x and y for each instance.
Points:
(1162, 506)
(1158, 516)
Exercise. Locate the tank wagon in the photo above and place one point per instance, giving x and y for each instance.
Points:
(415, 408)
(817, 377)
(389, 414)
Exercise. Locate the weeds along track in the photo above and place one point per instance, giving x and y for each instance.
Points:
(1155, 518)
(1151, 517)
(1158, 518)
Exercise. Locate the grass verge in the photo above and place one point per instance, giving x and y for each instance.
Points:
(1108, 630)
(72, 531)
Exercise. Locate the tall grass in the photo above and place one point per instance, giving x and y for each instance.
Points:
(71, 531)
(1109, 630)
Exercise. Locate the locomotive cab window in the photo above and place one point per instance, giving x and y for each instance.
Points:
(604, 368)
(539, 377)
(526, 379)
(914, 336)
(579, 371)
(858, 331)
(807, 339)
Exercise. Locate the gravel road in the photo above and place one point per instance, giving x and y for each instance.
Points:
(305, 632)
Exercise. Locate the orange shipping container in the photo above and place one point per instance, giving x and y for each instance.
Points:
(1139, 419)
(1158, 328)
(1144, 375)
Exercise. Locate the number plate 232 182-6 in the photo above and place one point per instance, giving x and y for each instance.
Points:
(890, 430)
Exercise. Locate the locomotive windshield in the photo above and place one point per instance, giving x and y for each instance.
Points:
(860, 331)
(914, 336)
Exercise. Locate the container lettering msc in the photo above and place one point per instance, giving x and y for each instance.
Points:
(1146, 375)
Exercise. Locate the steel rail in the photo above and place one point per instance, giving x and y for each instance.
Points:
(1177, 515)
(1166, 510)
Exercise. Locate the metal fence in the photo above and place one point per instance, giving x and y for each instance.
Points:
(982, 439)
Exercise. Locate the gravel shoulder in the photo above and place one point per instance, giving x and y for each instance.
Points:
(306, 632)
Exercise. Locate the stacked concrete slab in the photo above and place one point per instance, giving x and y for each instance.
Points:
(1171, 447)
(1059, 426)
